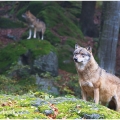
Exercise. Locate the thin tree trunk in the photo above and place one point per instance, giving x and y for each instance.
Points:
(109, 35)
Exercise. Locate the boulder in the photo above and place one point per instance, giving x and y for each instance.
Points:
(28, 65)
(47, 63)
(46, 85)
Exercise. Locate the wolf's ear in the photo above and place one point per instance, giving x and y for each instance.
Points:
(77, 46)
(89, 48)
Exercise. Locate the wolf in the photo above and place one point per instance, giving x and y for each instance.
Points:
(94, 81)
(35, 24)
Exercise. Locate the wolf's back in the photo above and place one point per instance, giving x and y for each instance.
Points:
(40, 25)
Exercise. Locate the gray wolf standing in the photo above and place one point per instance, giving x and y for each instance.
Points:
(94, 81)
(35, 24)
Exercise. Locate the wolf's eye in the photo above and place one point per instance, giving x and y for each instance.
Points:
(83, 55)
(75, 53)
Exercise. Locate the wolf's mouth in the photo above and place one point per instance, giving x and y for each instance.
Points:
(80, 62)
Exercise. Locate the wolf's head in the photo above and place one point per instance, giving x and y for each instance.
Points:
(82, 56)
(29, 17)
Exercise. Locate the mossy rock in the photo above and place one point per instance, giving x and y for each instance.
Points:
(12, 52)
(7, 23)
(72, 108)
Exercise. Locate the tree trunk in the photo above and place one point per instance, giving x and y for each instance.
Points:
(109, 35)
(86, 19)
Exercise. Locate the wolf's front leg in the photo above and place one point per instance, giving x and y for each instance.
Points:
(84, 94)
(30, 34)
(34, 33)
(96, 95)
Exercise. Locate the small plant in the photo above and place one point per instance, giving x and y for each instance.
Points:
(46, 75)
(18, 70)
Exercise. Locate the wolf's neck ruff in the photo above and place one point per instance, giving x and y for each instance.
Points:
(89, 70)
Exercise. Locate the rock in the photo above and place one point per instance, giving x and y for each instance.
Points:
(92, 116)
(48, 112)
(46, 85)
(38, 102)
(47, 63)
(11, 37)
(42, 64)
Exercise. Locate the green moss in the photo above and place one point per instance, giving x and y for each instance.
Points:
(7, 23)
(37, 5)
(51, 37)
(57, 18)
(12, 52)
(20, 12)
(65, 59)
(71, 42)
(76, 109)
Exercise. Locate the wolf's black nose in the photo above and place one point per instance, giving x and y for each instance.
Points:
(75, 59)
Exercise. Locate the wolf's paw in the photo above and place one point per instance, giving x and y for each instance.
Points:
(34, 36)
(28, 37)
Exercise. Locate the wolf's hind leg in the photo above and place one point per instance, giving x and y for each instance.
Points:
(30, 34)
(42, 36)
(34, 33)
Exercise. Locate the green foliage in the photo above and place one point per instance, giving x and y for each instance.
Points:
(7, 23)
(75, 8)
(16, 86)
(12, 52)
(71, 42)
(20, 12)
(64, 25)
(53, 39)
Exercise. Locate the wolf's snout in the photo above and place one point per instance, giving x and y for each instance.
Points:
(75, 59)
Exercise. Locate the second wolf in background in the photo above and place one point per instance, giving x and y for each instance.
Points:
(35, 24)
